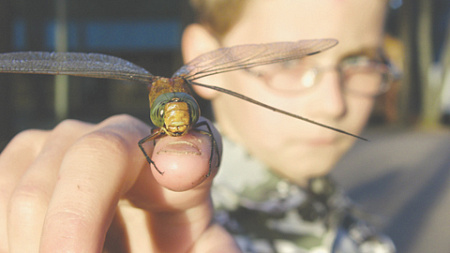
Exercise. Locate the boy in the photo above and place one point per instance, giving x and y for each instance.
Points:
(63, 189)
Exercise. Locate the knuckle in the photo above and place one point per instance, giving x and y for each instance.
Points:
(25, 138)
(102, 140)
(121, 117)
(66, 124)
(27, 199)
(72, 217)
(26, 142)
(67, 127)
(65, 226)
(126, 122)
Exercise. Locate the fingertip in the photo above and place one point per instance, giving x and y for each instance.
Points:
(182, 163)
(179, 178)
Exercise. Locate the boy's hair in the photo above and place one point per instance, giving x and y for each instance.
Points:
(218, 16)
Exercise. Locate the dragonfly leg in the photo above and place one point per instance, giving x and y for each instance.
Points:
(152, 137)
(213, 143)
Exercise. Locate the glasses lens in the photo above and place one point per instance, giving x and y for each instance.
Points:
(367, 79)
(293, 76)
(359, 76)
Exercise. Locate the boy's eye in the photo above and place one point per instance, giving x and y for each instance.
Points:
(355, 59)
(290, 64)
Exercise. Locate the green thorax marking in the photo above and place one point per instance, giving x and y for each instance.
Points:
(165, 90)
(166, 85)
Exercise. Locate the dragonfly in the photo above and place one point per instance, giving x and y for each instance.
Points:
(173, 109)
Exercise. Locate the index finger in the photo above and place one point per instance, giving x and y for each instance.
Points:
(93, 175)
(103, 167)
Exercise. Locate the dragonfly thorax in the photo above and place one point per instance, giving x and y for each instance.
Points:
(175, 113)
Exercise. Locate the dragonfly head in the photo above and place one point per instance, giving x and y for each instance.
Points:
(175, 113)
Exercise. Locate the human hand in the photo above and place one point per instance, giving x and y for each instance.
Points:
(86, 188)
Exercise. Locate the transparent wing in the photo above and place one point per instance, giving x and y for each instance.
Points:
(256, 102)
(246, 56)
(75, 64)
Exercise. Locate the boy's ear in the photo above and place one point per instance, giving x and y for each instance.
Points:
(198, 40)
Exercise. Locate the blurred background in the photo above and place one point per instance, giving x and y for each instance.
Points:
(406, 185)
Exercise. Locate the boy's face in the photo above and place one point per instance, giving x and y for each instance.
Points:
(296, 149)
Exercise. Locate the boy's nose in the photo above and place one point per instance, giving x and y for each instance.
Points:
(330, 94)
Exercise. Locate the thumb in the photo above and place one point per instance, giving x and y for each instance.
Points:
(181, 163)
(186, 167)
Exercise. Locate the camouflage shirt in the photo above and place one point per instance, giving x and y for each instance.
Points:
(268, 214)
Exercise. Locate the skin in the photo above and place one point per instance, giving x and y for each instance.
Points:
(62, 189)
(296, 150)
(81, 185)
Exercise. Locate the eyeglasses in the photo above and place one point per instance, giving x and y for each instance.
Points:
(359, 75)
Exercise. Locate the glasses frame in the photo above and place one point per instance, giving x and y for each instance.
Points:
(389, 75)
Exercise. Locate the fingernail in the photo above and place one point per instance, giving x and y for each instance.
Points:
(181, 148)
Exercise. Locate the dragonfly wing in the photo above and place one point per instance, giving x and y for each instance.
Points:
(76, 64)
(256, 102)
(251, 55)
